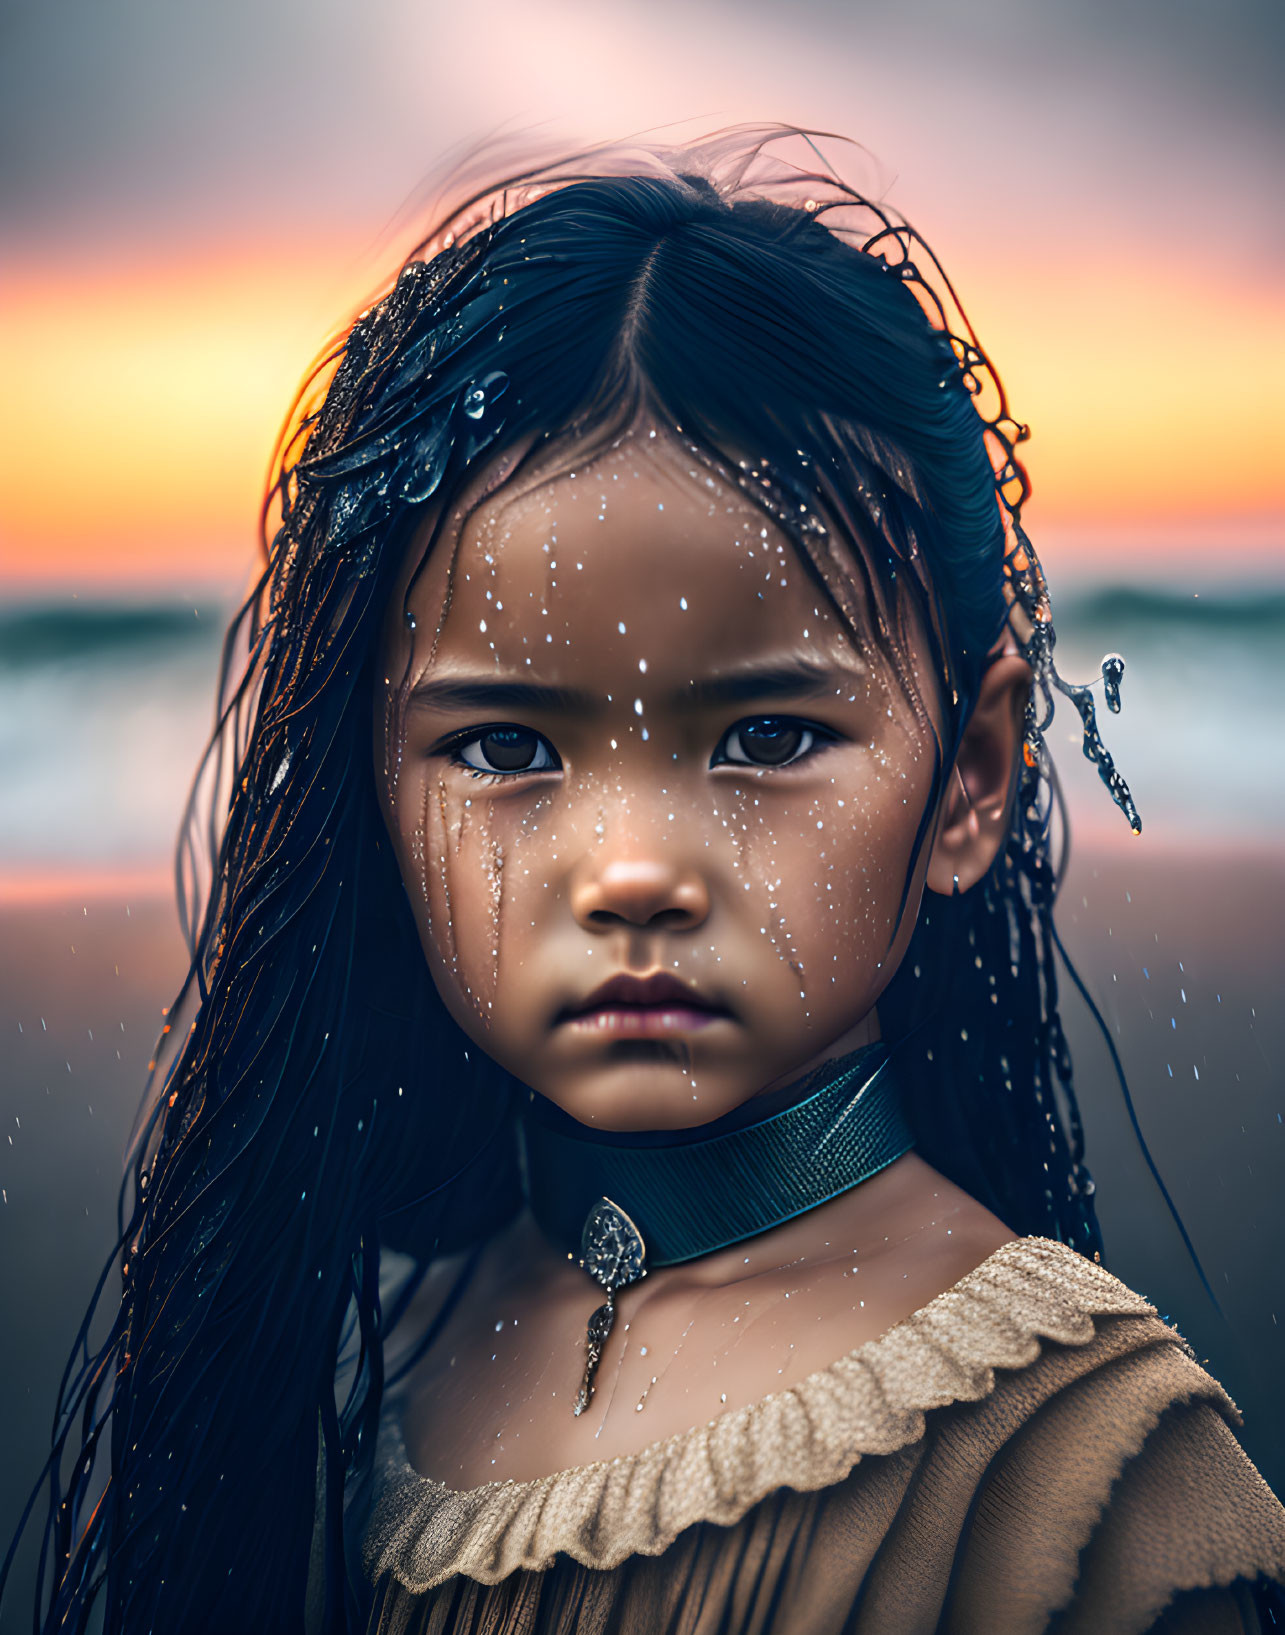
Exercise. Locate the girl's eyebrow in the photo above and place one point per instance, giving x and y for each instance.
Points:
(795, 678)
(486, 693)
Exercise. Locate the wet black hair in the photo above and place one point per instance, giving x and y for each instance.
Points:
(305, 1103)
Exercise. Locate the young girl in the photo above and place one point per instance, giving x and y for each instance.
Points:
(616, 1166)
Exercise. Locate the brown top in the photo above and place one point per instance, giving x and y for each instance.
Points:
(1033, 1448)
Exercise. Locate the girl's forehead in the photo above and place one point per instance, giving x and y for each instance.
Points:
(641, 554)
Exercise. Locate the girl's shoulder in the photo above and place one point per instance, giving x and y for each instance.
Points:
(1026, 1393)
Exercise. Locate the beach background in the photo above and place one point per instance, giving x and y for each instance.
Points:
(194, 196)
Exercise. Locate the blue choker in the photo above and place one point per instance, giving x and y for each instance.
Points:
(631, 1201)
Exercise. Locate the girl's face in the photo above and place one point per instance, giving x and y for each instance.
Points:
(653, 808)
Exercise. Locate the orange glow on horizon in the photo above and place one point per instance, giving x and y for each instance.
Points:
(142, 404)
(140, 882)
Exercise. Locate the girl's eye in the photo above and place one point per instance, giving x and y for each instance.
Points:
(769, 740)
(505, 749)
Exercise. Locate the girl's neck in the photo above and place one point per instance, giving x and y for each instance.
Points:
(631, 1203)
(492, 1400)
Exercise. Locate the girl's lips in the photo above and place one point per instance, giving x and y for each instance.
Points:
(641, 1007)
(642, 1021)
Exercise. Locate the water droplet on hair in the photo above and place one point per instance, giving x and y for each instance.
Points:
(1112, 675)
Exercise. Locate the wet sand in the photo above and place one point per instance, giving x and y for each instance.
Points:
(1183, 950)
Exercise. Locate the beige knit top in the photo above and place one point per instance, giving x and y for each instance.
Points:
(1033, 1449)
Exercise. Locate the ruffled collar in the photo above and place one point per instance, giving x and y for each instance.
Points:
(807, 1437)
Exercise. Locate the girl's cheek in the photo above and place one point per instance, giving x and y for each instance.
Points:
(471, 865)
(764, 857)
(438, 846)
(424, 825)
(482, 863)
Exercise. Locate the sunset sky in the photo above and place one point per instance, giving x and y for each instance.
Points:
(196, 195)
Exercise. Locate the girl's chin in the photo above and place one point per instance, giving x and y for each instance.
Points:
(644, 1084)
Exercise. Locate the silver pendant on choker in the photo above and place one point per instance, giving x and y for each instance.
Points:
(613, 1253)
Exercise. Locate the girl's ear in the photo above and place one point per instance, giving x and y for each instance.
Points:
(972, 819)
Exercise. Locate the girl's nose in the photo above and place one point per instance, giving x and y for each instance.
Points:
(639, 892)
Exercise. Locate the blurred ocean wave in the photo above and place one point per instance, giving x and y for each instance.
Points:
(104, 708)
(1144, 610)
(79, 634)
(1201, 734)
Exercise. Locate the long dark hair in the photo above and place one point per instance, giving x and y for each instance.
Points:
(304, 1107)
